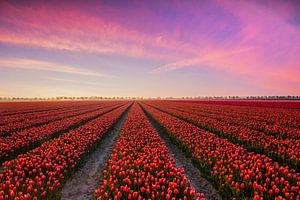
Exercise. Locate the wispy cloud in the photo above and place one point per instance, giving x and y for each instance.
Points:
(242, 39)
(29, 64)
(73, 81)
(210, 58)
(72, 29)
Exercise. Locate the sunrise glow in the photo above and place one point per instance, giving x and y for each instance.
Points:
(149, 48)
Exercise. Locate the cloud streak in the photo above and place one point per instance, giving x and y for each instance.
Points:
(73, 81)
(211, 58)
(29, 64)
(72, 29)
(242, 39)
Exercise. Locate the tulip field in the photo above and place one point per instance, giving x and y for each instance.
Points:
(243, 149)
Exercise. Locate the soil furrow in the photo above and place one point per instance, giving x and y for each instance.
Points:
(38, 143)
(192, 173)
(82, 184)
(5, 134)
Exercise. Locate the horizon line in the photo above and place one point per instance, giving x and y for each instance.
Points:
(215, 97)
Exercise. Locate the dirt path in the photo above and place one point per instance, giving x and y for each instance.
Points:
(190, 171)
(82, 185)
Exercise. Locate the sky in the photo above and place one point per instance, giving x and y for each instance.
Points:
(149, 48)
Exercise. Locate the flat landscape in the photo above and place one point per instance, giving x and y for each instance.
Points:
(150, 100)
(150, 149)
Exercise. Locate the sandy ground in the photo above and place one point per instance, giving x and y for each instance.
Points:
(192, 173)
(84, 182)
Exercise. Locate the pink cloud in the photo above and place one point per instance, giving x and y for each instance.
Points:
(265, 48)
(261, 43)
(74, 30)
(214, 58)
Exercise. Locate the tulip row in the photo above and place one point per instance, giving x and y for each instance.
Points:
(16, 108)
(28, 116)
(282, 150)
(237, 172)
(141, 167)
(20, 142)
(9, 119)
(280, 116)
(282, 123)
(259, 103)
(38, 173)
(39, 120)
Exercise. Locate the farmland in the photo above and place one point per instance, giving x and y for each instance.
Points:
(150, 149)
